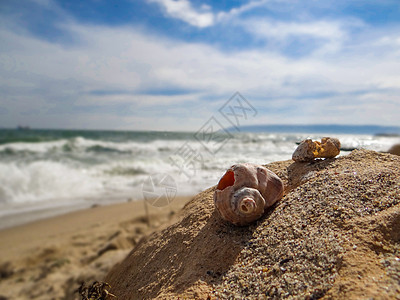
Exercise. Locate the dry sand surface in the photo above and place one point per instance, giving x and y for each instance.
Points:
(48, 259)
(334, 235)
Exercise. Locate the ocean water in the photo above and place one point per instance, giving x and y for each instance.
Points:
(42, 169)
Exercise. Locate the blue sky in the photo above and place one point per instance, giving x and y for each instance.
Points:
(171, 64)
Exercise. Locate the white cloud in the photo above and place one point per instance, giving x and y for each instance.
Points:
(328, 35)
(282, 30)
(203, 17)
(183, 10)
(235, 12)
(102, 82)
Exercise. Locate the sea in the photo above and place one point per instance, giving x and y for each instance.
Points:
(48, 172)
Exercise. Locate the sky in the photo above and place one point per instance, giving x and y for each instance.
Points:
(173, 64)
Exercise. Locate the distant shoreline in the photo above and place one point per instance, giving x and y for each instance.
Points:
(265, 128)
(376, 130)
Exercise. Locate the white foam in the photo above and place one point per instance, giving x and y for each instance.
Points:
(43, 180)
(51, 172)
(33, 147)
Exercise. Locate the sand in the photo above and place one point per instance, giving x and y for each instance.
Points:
(395, 149)
(334, 235)
(48, 259)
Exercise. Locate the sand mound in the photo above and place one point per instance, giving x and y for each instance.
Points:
(336, 233)
(395, 149)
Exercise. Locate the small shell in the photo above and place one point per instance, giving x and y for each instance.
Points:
(245, 192)
(308, 150)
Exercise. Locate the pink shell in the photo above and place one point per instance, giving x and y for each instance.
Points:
(245, 191)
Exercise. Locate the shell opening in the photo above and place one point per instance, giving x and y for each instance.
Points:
(247, 205)
(227, 180)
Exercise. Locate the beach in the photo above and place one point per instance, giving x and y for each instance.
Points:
(181, 149)
(71, 208)
(334, 235)
(48, 258)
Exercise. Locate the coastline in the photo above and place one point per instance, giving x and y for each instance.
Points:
(58, 252)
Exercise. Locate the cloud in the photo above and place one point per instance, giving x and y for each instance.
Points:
(237, 11)
(203, 17)
(183, 10)
(283, 30)
(126, 77)
(317, 36)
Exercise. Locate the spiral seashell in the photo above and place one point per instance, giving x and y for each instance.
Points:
(308, 150)
(245, 191)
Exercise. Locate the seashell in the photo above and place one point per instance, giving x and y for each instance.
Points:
(245, 192)
(308, 150)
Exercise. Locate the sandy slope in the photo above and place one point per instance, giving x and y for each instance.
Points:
(334, 235)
